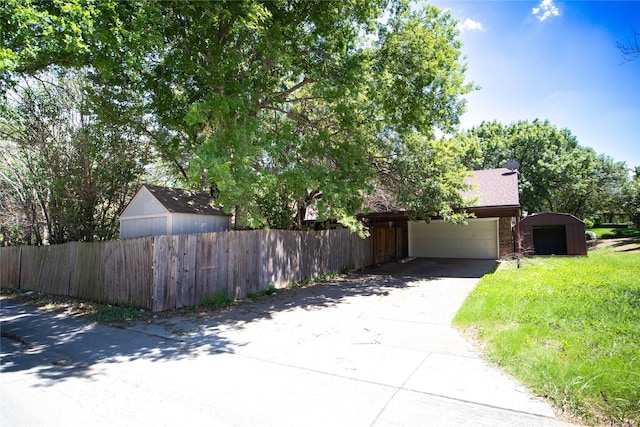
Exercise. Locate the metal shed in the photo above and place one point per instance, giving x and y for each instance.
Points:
(156, 210)
(553, 234)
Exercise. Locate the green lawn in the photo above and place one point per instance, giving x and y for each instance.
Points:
(569, 328)
(614, 232)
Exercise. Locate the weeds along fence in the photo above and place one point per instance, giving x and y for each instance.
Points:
(166, 272)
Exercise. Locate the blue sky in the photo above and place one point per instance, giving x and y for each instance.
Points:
(555, 60)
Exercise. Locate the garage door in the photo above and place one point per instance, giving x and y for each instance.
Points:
(440, 239)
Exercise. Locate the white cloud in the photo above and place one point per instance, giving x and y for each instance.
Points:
(470, 25)
(545, 9)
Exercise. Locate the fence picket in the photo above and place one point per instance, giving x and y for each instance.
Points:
(10, 267)
(160, 272)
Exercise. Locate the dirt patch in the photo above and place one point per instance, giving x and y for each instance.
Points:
(624, 244)
(51, 303)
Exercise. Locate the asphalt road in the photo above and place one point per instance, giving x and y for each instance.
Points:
(372, 349)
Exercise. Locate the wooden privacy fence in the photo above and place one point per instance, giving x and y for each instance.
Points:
(165, 272)
(117, 272)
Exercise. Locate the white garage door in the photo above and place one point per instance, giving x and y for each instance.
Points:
(440, 239)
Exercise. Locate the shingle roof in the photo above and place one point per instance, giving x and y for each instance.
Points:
(184, 201)
(493, 187)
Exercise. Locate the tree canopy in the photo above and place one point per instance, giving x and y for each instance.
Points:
(278, 107)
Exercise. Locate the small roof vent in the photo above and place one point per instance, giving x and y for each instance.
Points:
(512, 165)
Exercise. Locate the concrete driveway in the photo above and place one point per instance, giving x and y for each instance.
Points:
(372, 349)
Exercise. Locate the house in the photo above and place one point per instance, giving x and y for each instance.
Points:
(552, 234)
(487, 236)
(156, 210)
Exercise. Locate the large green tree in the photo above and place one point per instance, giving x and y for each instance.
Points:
(284, 106)
(555, 172)
(278, 106)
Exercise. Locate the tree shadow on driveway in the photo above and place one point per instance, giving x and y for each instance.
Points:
(435, 268)
(56, 346)
(373, 282)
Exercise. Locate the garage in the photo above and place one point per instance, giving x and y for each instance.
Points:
(440, 239)
(495, 208)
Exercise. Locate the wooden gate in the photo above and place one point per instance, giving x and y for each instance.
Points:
(389, 244)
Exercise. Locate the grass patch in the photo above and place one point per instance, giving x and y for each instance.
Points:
(326, 277)
(569, 328)
(218, 300)
(615, 232)
(271, 290)
(113, 314)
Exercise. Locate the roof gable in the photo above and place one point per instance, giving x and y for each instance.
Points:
(142, 204)
(493, 187)
(178, 200)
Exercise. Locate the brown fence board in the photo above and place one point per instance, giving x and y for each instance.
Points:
(233, 247)
(220, 279)
(27, 266)
(205, 252)
(257, 281)
(85, 270)
(189, 288)
(144, 271)
(10, 267)
(160, 272)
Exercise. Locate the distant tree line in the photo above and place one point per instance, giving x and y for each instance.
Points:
(556, 174)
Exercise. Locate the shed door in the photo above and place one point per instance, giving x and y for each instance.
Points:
(550, 240)
(440, 239)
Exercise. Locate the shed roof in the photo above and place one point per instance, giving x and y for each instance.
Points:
(493, 187)
(179, 200)
(550, 218)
